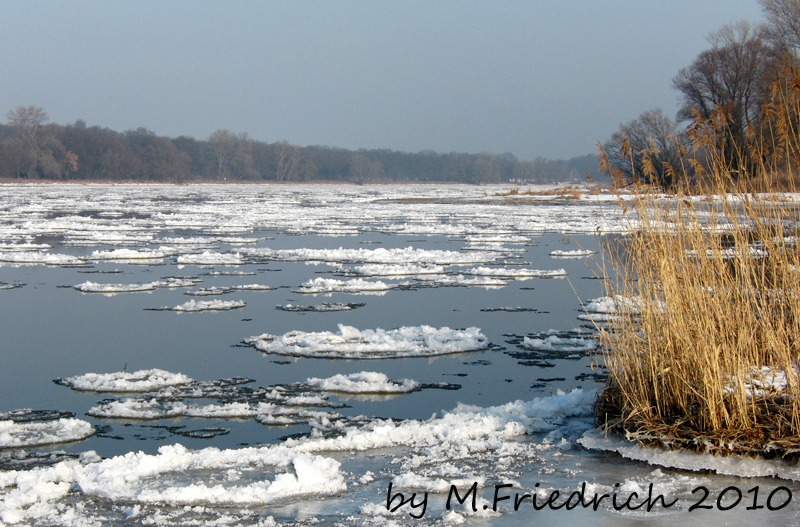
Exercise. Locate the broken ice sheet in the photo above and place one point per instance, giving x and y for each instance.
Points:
(193, 306)
(36, 433)
(210, 258)
(352, 343)
(320, 308)
(319, 286)
(577, 253)
(93, 287)
(364, 382)
(154, 408)
(516, 273)
(124, 382)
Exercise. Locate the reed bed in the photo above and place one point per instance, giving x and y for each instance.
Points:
(704, 351)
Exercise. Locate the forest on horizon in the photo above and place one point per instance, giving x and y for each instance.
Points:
(31, 148)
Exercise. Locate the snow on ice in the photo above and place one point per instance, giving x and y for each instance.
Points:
(352, 343)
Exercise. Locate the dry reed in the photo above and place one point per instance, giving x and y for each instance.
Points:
(704, 352)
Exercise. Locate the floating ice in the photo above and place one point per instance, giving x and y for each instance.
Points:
(141, 408)
(578, 253)
(230, 273)
(22, 247)
(351, 343)
(364, 382)
(252, 287)
(173, 282)
(35, 433)
(516, 273)
(461, 281)
(93, 287)
(319, 286)
(40, 258)
(211, 258)
(128, 254)
(394, 270)
(209, 291)
(193, 306)
(137, 381)
(406, 256)
(556, 343)
(321, 308)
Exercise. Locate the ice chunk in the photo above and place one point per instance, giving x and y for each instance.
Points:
(394, 270)
(556, 343)
(321, 308)
(516, 273)
(352, 343)
(128, 254)
(577, 253)
(93, 287)
(193, 306)
(40, 258)
(357, 285)
(29, 434)
(364, 382)
(137, 381)
(211, 258)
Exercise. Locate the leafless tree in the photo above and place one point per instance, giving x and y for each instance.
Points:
(649, 148)
(35, 142)
(733, 78)
(363, 169)
(234, 159)
(288, 161)
(783, 17)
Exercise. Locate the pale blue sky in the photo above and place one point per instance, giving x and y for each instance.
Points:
(531, 77)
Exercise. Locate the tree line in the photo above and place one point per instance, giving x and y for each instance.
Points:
(33, 148)
(739, 108)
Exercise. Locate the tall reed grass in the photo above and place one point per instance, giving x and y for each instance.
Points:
(704, 352)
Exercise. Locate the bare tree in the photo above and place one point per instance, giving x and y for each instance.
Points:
(288, 161)
(487, 167)
(784, 22)
(731, 78)
(363, 169)
(648, 148)
(234, 159)
(35, 142)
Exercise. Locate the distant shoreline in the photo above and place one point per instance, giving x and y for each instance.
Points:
(14, 181)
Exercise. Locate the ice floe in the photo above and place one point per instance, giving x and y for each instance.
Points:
(35, 433)
(154, 408)
(394, 270)
(505, 272)
(321, 308)
(211, 258)
(364, 382)
(129, 254)
(557, 343)
(193, 306)
(318, 286)
(577, 253)
(137, 381)
(93, 287)
(352, 343)
(39, 258)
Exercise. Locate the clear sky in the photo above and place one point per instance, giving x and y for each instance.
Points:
(534, 77)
